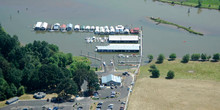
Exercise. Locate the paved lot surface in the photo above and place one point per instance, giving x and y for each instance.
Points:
(85, 102)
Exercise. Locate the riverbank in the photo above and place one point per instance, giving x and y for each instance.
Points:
(208, 4)
(158, 20)
(195, 86)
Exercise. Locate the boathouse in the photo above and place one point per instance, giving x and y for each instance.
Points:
(123, 39)
(119, 48)
(38, 26)
(56, 26)
(69, 27)
(44, 26)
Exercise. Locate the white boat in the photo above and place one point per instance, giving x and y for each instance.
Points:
(119, 28)
(93, 37)
(87, 28)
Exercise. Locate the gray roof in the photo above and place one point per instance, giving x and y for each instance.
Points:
(108, 78)
(119, 47)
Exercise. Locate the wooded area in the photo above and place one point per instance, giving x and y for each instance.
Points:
(40, 66)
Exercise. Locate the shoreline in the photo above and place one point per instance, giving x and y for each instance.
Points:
(158, 21)
(191, 4)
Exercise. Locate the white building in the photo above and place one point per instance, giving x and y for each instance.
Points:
(110, 80)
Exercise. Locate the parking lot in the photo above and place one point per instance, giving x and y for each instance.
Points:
(121, 93)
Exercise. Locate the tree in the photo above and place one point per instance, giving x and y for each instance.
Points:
(155, 73)
(195, 57)
(216, 57)
(93, 81)
(3, 89)
(170, 74)
(199, 4)
(203, 57)
(219, 7)
(172, 56)
(160, 58)
(13, 89)
(21, 90)
(150, 57)
(67, 86)
(185, 58)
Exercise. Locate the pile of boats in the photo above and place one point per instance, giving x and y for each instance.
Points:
(96, 39)
(102, 30)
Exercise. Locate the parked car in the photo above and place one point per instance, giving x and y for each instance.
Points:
(80, 108)
(110, 106)
(125, 73)
(121, 108)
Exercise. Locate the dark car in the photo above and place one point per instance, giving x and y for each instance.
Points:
(121, 108)
(80, 108)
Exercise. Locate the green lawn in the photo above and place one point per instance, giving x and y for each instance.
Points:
(211, 4)
(192, 70)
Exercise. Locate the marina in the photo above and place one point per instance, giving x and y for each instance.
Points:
(99, 30)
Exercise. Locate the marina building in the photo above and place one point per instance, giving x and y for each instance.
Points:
(110, 80)
(119, 48)
(123, 39)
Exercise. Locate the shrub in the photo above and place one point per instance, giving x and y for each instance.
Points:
(216, 57)
(170, 74)
(203, 57)
(150, 57)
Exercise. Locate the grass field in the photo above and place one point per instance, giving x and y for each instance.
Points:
(197, 90)
(210, 4)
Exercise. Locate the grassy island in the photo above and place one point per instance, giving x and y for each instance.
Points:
(209, 4)
(158, 20)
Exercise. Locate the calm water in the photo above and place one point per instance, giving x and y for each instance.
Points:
(157, 38)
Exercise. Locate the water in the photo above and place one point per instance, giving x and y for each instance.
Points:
(157, 38)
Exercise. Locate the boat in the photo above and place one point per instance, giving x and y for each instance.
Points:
(97, 30)
(92, 28)
(77, 27)
(126, 31)
(135, 30)
(63, 28)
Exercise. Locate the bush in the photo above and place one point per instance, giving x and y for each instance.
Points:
(160, 58)
(185, 58)
(155, 73)
(21, 90)
(170, 74)
(195, 57)
(172, 56)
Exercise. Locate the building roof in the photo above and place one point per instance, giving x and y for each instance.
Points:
(119, 47)
(38, 25)
(106, 79)
(123, 38)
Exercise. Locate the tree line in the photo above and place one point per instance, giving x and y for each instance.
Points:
(40, 66)
(186, 58)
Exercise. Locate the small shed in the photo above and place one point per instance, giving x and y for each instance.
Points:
(110, 80)
(12, 100)
(69, 27)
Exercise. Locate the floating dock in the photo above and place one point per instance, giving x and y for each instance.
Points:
(123, 39)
